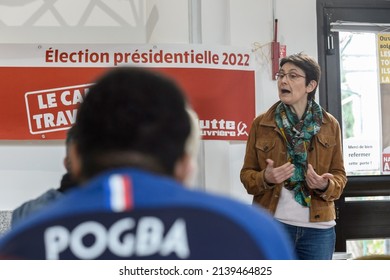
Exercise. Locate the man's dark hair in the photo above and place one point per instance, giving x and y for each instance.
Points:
(132, 117)
(308, 65)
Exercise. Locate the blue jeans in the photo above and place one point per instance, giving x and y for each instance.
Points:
(312, 243)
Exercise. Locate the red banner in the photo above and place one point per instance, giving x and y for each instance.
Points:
(40, 101)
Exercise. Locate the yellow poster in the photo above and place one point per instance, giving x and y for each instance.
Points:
(384, 57)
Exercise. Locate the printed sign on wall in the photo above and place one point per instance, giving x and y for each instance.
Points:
(42, 86)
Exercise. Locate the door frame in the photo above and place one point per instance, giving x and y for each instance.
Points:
(365, 219)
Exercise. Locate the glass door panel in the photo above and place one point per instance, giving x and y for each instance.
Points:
(361, 103)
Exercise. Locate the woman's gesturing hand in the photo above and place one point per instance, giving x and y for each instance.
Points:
(315, 181)
(277, 175)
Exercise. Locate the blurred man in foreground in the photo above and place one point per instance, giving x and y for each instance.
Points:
(135, 144)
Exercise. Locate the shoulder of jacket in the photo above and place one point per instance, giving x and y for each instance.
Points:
(328, 118)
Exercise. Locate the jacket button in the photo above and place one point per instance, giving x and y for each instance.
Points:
(266, 148)
(317, 216)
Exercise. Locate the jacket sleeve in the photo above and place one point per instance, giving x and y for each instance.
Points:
(337, 184)
(251, 175)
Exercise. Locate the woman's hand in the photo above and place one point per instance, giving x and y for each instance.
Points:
(277, 175)
(315, 181)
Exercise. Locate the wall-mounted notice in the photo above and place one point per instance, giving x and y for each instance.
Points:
(361, 155)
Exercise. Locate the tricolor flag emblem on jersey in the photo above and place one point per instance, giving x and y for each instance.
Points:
(120, 193)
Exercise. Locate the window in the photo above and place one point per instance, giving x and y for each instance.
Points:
(359, 95)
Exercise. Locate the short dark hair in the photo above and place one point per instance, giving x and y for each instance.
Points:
(132, 117)
(308, 65)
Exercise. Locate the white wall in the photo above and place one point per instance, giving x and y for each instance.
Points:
(29, 168)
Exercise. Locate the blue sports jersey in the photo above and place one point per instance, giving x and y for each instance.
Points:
(132, 214)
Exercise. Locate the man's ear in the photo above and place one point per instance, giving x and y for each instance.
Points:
(66, 162)
(184, 169)
(74, 158)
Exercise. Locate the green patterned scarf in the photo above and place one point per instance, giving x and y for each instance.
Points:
(298, 134)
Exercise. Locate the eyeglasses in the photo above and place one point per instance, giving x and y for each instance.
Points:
(290, 76)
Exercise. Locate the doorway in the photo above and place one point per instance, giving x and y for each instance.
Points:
(352, 89)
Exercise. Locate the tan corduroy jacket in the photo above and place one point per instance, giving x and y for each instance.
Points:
(325, 154)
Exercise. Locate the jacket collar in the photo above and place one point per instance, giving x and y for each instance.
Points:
(269, 116)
